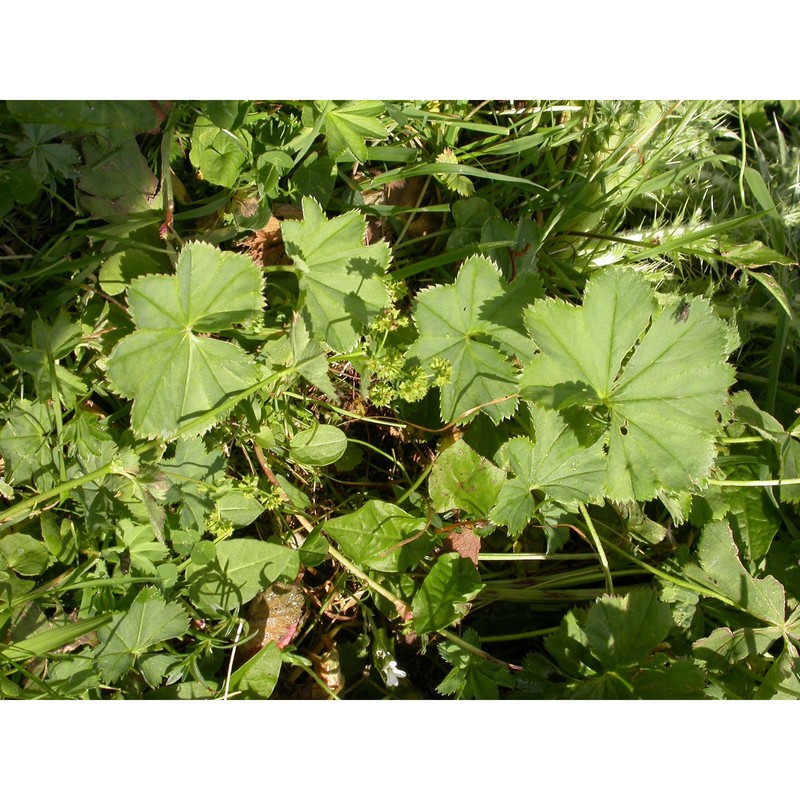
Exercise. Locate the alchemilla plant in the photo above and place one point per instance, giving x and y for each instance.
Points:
(408, 400)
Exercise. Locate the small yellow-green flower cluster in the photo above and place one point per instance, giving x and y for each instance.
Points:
(442, 371)
(415, 386)
(396, 379)
(390, 320)
(218, 527)
(389, 365)
(272, 499)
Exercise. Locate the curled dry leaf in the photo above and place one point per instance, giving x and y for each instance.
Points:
(328, 669)
(265, 246)
(464, 541)
(274, 615)
(407, 193)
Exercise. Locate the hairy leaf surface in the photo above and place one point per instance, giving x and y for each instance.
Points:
(556, 465)
(658, 375)
(169, 366)
(474, 324)
(341, 286)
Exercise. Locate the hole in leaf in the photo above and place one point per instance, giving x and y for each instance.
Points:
(623, 429)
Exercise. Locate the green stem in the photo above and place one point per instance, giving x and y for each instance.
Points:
(20, 510)
(345, 413)
(402, 608)
(692, 587)
(476, 651)
(535, 556)
(600, 552)
(512, 637)
(405, 612)
(414, 486)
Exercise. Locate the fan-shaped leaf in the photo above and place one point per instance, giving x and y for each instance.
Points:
(658, 376)
(469, 324)
(148, 621)
(341, 286)
(172, 371)
(348, 125)
(556, 464)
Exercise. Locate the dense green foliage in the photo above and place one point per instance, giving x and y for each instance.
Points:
(408, 399)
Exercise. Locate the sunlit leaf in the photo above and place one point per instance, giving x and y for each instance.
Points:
(348, 125)
(658, 376)
(170, 366)
(556, 465)
(318, 446)
(240, 570)
(460, 478)
(474, 325)
(149, 621)
(375, 536)
(341, 286)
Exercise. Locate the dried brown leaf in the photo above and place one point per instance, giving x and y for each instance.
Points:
(464, 541)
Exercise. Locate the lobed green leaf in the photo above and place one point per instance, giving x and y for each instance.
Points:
(658, 375)
(340, 278)
(169, 366)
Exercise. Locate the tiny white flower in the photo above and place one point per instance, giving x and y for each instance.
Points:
(392, 674)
